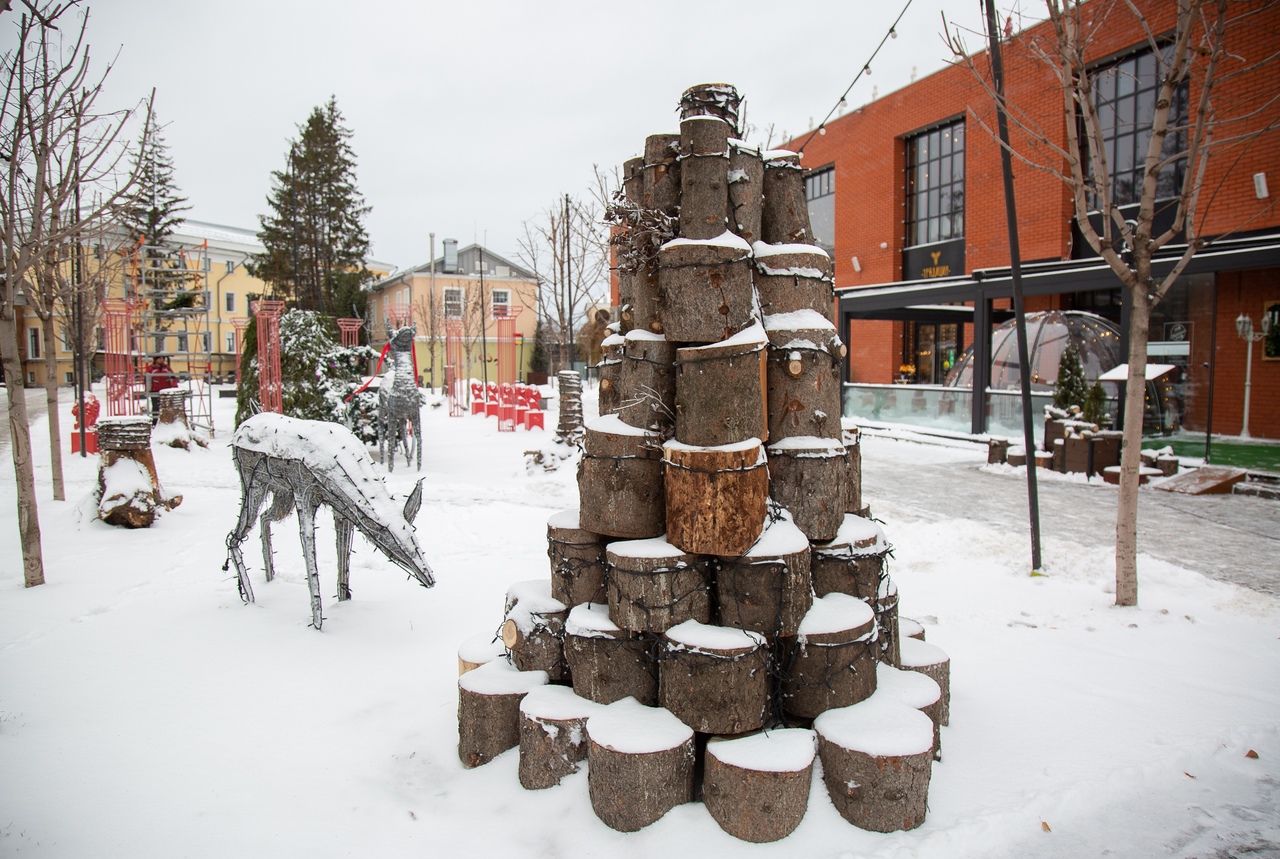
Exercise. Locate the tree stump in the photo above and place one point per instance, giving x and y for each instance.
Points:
(653, 585)
(804, 376)
(832, 661)
(610, 371)
(173, 407)
(489, 710)
(915, 690)
(129, 493)
(620, 480)
(767, 589)
(661, 173)
(647, 381)
(715, 99)
(720, 390)
(794, 277)
(569, 385)
(479, 649)
(533, 631)
(746, 190)
(886, 608)
(704, 176)
(172, 428)
(606, 663)
(853, 562)
(704, 288)
(716, 497)
(757, 787)
(640, 763)
(577, 560)
(807, 475)
(553, 735)
(877, 757)
(853, 453)
(932, 661)
(785, 217)
(715, 679)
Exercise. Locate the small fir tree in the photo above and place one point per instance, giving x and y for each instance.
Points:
(1094, 407)
(154, 211)
(1071, 387)
(538, 361)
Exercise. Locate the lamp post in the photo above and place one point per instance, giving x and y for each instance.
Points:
(1244, 328)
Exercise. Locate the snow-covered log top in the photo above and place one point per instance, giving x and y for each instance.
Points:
(745, 444)
(499, 677)
(124, 420)
(809, 445)
(878, 726)
(920, 654)
(591, 620)
(779, 155)
(763, 250)
(612, 340)
(121, 481)
(908, 628)
(566, 519)
(481, 648)
(724, 240)
(807, 319)
(780, 537)
(700, 637)
(856, 538)
(630, 727)
(613, 425)
(529, 598)
(650, 547)
(836, 612)
(642, 334)
(752, 335)
(557, 702)
(785, 750)
(906, 687)
(743, 146)
(330, 449)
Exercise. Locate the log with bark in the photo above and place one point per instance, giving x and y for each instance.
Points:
(720, 390)
(633, 179)
(533, 629)
(640, 764)
(653, 585)
(853, 453)
(647, 382)
(767, 589)
(832, 661)
(661, 187)
(804, 376)
(620, 480)
(128, 491)
(479, 649)
(716, 497)
(932, 661)
(785, 218)
(794, 277)
(577, 560)
(886, 608)
(715, 679)
(908, 628)
(914, 689)
(877, 757)
(746, 190)
(757, 787)
(610, 372)
(705, 291)
(553, 735)
(807, 476)
(713, 99)
(607, 663)
(853, 562)
(638, 295)
(489, 709)
(704, 176)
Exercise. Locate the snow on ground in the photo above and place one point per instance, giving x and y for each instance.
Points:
(144, 711)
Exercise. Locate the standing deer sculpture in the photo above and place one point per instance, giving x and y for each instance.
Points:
(301, 465)
(399, 408)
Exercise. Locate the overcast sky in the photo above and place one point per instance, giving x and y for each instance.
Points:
(471, 117)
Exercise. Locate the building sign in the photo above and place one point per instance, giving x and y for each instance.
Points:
(939, 259)
(1176, 342)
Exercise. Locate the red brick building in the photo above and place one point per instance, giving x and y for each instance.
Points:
(907, 193)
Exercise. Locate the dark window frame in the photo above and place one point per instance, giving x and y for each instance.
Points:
(934, 184)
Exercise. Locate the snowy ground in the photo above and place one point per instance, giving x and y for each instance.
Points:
(145, 712)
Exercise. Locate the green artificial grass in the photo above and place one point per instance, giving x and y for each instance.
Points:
(1255, 456)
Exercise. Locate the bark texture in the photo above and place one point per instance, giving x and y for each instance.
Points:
(647, 383)
(785, 218)
(630, 791)
(705, 291)
(488, 725)
(704, 177)
(716, 499)
(653, 594)
(804, 384)
(715, 691)
(720, 394)
(607, 669)
(661, 186)
(810, 483)
(620, 485)
(879, 793)
(746, 190)
(755, 805)
(764, 594)
(577, 565)
(821, 672)
(796, 280)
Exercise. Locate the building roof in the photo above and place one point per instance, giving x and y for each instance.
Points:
(468, 267)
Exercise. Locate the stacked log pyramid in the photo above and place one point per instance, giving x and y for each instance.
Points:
(716, 597)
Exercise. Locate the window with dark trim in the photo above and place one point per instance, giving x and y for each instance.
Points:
(820, 192)
(453, 297)
(935, 185)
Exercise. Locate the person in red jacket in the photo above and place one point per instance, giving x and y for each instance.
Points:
(158, 378)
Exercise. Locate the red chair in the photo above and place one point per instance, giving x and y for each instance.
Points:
(522, 402)
(506, 408)
(477, 398)
(533, 416)
(491, 400)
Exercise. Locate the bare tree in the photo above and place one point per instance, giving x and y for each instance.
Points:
(56, 143)
(1116, 208)
(430, 318)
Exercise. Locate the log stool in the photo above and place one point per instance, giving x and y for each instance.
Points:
(647, 381)
(715, 679)
(704, 288)
(804, 376)
(832, 662)
(720, 390)
(716, 497)
(853, 562)
(620, 480)
(605, 662)
(915, 690)
(553, 735)
(477, 650)
(489, 709)
(793, 277)
(638, 290)
(577, 560)
(639, 764)
(785, 216)
(652, 585)
(533, 631)
(757, 787)
(569, 386)
(807, 475)
(932, 661)
(877, 757)
(767, 589)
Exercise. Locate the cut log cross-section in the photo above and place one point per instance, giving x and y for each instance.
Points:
(533, 631)
(647, 381)
(932, 661)
(577, 560)
(704, 288)
(785, 217)
(720, 391)
(853, 562)
(620, 480)
(767, 589)
(553, 735)
(479, 649)
(807, 475)
(653, 585)
(640, 764)
(716, 496)
(607, 663)
(715, 679)
(832, 662)
(489, 709)
(757, 787)
(704, 176)
(793, 277)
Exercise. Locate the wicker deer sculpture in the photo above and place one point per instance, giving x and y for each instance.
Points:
(302, 464)
(399, 408)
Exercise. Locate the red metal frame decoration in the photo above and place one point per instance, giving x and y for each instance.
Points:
(240, 323)
(270, 385)
(507, 368)
(456, 384)
(121, 368)
(399, 316)
(350, 328)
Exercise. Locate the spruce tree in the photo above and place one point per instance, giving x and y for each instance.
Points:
(314, 235)
(154, 211)
(1071, 387)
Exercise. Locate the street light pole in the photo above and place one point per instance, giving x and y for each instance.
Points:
(1244, 328)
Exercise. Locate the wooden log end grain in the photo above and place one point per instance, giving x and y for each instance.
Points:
(640, 764)
(489, 709)
(757, 787)
(533, 631)
(720, 390)
(807, 476)
(877, 758)
(768, 588)
(931, 660)
(716, 497)
(553, 735)
(605, 662)
(853, 562)
(832, 661)
(653, 585)
(577, 559)
(714, 679)
(915, 690)
(620, 480)
(479, 649)
(705, 289)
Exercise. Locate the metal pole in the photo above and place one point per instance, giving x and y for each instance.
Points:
(1015, 261)
(568, 281)
(430, 304)
(1248, 382)
(484, 326)
(77, 353)
(1213, 365)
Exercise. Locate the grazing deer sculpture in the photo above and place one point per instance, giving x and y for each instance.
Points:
(301, 465)
(399, 407)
